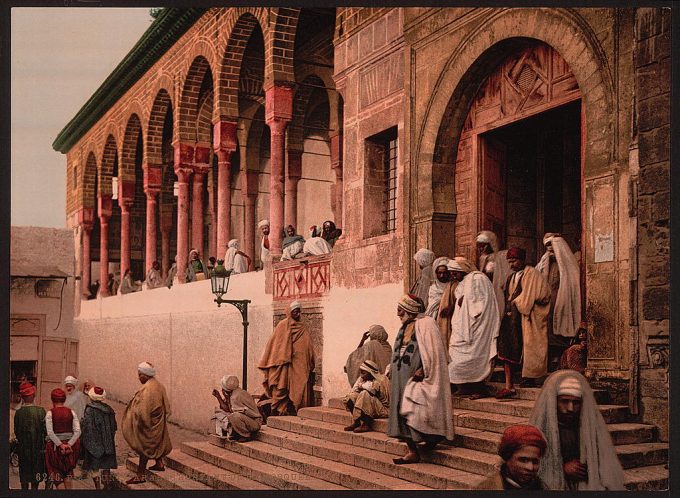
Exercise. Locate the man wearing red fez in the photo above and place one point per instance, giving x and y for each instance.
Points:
(63, 445)
(521, 448)
(523, 337)
(29, 428)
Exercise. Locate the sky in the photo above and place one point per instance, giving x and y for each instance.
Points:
(59, 57)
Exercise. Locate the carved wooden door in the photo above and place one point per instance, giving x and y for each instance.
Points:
(493, 167)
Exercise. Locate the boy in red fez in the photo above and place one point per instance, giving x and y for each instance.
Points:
(521, 448)
(63, 446)
(29, 428)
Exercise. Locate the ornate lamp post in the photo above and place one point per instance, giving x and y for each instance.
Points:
(219, 278)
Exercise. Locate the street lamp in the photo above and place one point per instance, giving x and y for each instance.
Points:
(219, 279)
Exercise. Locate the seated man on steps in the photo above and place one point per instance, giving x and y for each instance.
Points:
(369, 398)
(237, 417)
(580, 453)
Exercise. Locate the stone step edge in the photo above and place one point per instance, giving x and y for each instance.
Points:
(422, 473)
(265, 473)
(170, 478)
(635, 479)
(336, 471)
(119, 477)
(215, 479)
(375, 440)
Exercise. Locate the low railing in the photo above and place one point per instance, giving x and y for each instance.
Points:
(308, 277)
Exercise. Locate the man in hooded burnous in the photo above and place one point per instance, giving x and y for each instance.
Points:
(369, 398)
(373, 346)
(288, 364)
(421, 287)
(237, 416)
(420, 397)
(580, 453)
(144, 424)
(561, 269)
(494, 264)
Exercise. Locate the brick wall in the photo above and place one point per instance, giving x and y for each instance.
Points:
(652, 81)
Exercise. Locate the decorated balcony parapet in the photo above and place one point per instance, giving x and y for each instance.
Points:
(308, 277)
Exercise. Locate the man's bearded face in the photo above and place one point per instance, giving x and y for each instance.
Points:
(443, 274)
(295, 314)
(515, 264)
(569, 409)
(550, 249)
(69, 388)
(404, 316)
(290, 231)
(265, 230)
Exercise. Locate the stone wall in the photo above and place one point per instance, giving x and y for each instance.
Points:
(652, 84)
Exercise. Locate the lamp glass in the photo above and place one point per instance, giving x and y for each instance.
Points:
(219, 279)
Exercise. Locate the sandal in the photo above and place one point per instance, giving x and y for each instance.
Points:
(403, 461)
(505, 393)
(157, 468)
(136, 480)
(362, 428)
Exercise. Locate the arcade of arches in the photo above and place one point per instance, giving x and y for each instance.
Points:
(522, 121)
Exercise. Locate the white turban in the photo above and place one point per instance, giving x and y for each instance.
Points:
(295, 305)
(424, 257)
(233, 243)
(146, 368)
(71, 380)
(483, 238)
(570, 386)
(443, 261)
(263, 223)
(460, 263)
(229, 383)
(94, 396)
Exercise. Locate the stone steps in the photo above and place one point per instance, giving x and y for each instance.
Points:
(651, 478)
(167, 479)
(263, 474)
(120, 475)
(426, 473)
(531, 393)
(318, 465)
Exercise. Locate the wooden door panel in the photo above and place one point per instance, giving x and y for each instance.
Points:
(24, 348)
(72, 358)
(494, 160)
(51, 367)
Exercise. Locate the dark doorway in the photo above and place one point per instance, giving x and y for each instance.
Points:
(531, 177)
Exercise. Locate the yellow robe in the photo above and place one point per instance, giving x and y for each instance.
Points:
(534, 305)
(145, 426)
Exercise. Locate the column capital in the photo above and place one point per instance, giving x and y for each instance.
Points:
(278, 104)
(105, 206)
(202, 154)
(86, 218)
(153, 176)
(125, 203)
(184, 154)
(183, 173)
(151, 193)
(224, 135)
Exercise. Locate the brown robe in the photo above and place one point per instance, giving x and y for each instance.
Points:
(145, 426)
(534, 305)
(287, 364)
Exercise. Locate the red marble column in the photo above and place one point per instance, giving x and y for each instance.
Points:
(338, 188)
(278, 112)
(165, 252)
(292, 180)
(105, 210)
(151, 216)
(86, 260)
(124, 236)
(184, 158)
(250, 189)
(224, 144)
(197, 224)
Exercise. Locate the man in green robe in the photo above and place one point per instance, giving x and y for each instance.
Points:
(29, 427)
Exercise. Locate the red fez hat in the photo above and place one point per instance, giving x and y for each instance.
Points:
(517, 253)
(519, 435)
(58, 395)
(98, 390)
(26, 389)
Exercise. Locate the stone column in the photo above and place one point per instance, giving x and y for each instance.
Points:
(124, 235)
(250, 190)
(224, 144)
(85, 289)
(184, 155)
(151, 215)
(166, 228)
(292, 180)
(278, 112)
(105, 210)
(197, 224)
(338, 188)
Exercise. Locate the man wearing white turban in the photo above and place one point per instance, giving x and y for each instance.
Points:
(234, 259)
(561, 269)
(580, 454)
(98, 438)
(474, 329)
(76, 399)
(439, 283)
(144, 423)
(494, 264)
(421, 287)
(264, 244)
(237, 417)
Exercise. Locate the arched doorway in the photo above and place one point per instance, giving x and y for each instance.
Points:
(518, 163)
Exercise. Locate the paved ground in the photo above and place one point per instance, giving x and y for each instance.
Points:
(177, 435)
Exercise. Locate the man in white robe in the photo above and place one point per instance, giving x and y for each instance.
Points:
(436, 291)
(474, 329)
(561, 269)
(76, 399)
(264, 243)
(316, 246)
(494, 264)
(234, 259)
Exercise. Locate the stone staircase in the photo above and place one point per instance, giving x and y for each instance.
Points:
(312, 452)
